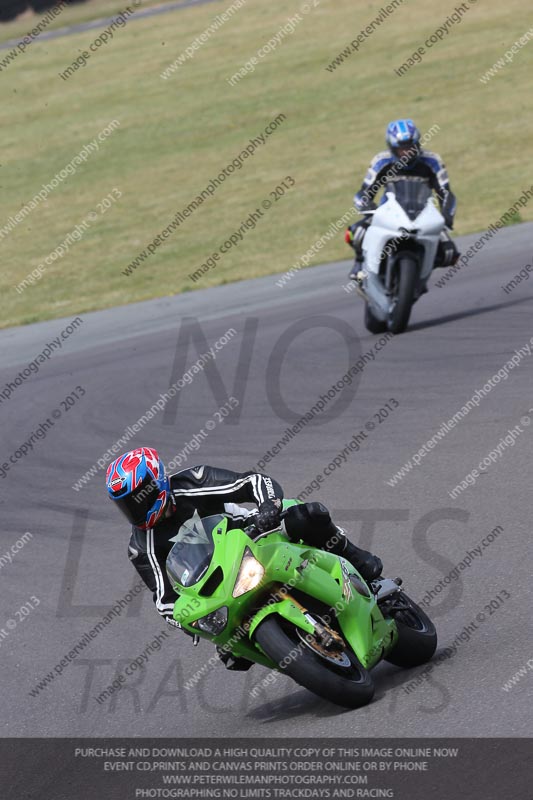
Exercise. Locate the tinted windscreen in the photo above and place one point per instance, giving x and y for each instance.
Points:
(191, 555)
(411, 193)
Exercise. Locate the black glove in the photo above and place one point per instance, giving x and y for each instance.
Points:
(449, 221)
(233, 662)
(268, 515)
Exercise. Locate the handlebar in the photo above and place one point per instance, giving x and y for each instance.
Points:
(253, 531)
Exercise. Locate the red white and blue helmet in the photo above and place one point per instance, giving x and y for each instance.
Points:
(137, 484)
(403, 140)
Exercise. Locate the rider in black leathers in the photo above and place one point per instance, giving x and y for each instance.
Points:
(137, 479)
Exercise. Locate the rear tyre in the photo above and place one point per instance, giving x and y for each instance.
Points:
(417, 637)
(406, 275)
(42, 5)
(347, 684)
(372, 323)
(11, 9)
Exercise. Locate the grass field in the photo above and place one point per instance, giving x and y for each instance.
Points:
(175, 135)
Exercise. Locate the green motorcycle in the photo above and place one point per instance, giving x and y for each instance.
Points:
(293, 608)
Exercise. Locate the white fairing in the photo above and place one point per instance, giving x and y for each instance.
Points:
(390, 221)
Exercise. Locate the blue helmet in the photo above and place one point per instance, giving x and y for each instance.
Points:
(137, 483)
(403, 140)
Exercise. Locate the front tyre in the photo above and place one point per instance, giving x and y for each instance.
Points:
(417, 637)
(340, 679)
(372, 323)
(403, 291)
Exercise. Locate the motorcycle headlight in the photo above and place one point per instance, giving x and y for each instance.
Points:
(250, 574)
(215, 622)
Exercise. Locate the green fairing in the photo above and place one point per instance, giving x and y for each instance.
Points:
(320, 575)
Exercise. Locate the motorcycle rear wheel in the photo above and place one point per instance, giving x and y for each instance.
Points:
(417, 637)
(348, 684)
(11, 10)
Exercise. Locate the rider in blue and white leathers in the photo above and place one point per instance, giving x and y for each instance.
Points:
(405, 158)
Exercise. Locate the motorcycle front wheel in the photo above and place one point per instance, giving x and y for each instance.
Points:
(406, 275)
(336, 676)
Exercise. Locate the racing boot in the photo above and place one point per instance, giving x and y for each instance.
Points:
(447, 254)
(369, 566)
(356, 272)
(354, 238)
(312, 523)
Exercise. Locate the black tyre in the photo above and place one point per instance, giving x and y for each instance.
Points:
(372, 323)
(42, 5)
(343, 681)
(417, 637)
(406, 275)
(10, 9)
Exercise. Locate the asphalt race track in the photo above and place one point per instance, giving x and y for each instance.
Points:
(68, 30)
(291, 345)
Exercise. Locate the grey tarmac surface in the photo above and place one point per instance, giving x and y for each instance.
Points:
(291, 345)
(96, 24)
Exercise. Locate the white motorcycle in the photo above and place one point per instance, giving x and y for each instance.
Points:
(399, 252)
